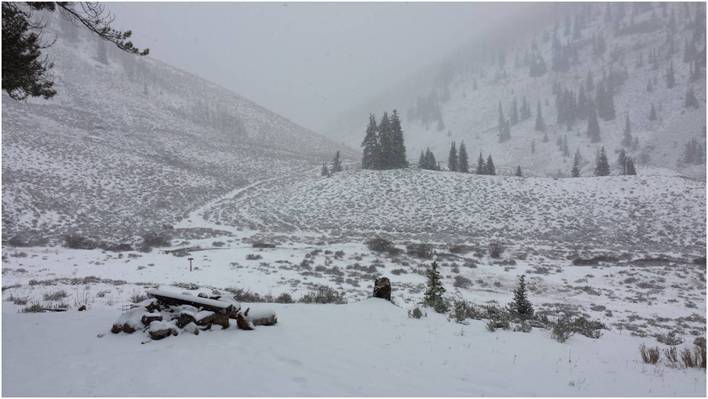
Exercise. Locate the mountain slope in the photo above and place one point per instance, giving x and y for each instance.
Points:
(130, 143)
(622, 212)
(462, 101)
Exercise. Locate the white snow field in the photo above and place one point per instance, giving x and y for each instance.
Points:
(365, 348)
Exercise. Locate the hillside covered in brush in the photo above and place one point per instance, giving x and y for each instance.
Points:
(639, 68)
(130, 143)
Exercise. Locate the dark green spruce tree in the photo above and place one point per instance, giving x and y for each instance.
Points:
(452, 158)
(336, 163)
(491, 170)
(434, 290)
(463, 164)
(575, 171)
(540, 124)
(602, 166)
(521, 307)
(385, 160)
(370, 156)
(398, 147)
(481, 166)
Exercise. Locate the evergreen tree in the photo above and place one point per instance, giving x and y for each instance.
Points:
(481, 166)
(593, 125)
(501, 123)
(652, 113)
(514, 112)
(533, 146)
(489, 167)
(540, 124)
(518, 171)
(385, 160)
(629, 169)
(525, 110)
(521, 307)
(691, 100)
(575, 172)
(398, 147)
(324, 171)
(602, 167)
(670, 78)
(462, 160)
(434, 290)
(422, 161)
(370, 156)
(627, 137)
(336, 163)
(452, 158)
(622, 162)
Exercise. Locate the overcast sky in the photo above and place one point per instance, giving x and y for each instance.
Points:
(308, 61)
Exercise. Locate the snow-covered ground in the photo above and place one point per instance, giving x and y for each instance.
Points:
(365, 348)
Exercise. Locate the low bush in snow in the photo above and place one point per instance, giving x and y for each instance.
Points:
(323, 294)
(253, 257)
(379, 244)
(416, 313)
(495, 250)
(423, 251)
(152, 239)
(55, 296)
(33, 308)
(649, 355)
(77, 241)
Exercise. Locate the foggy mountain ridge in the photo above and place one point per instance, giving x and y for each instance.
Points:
(130, 143)
(471, 115)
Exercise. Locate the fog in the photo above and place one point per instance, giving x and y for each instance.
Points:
(309, 62)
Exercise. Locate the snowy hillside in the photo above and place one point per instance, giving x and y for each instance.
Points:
(657, 212)
(131, 143)
(462, 101)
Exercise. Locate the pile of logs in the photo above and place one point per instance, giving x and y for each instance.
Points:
(166, 314)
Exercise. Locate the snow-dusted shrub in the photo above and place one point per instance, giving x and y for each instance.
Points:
(17, 300)
(152, 239)
(253, 257)
(670, 339)
(323, 294)
(416, 313)
(562, 329)
(137, 298)
(241, 295)
(498, 323)
(33, 308)
(284, 298)
(649, 355)
(379, 244)
(462, 282)
(495, 250)
(461, 310)
(523, 327)
(423, 251)
(565, 326)
(671, 354)
(55, 296)
(77, 241)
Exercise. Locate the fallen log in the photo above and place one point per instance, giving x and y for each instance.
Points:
(230, 309)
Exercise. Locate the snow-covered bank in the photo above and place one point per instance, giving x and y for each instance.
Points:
(365, 348)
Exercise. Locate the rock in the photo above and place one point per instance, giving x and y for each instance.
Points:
(160, 329)
(150, 317)
(242, 322)
(117, 328)
(204, 318)
(382, 288)
(263, 318)
(221, 320)
(184, 319)
(700, 342)
(128, 329)
(191, 328)
(82, 308)
(153, 306)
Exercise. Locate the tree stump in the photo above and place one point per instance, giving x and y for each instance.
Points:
(382, 288)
